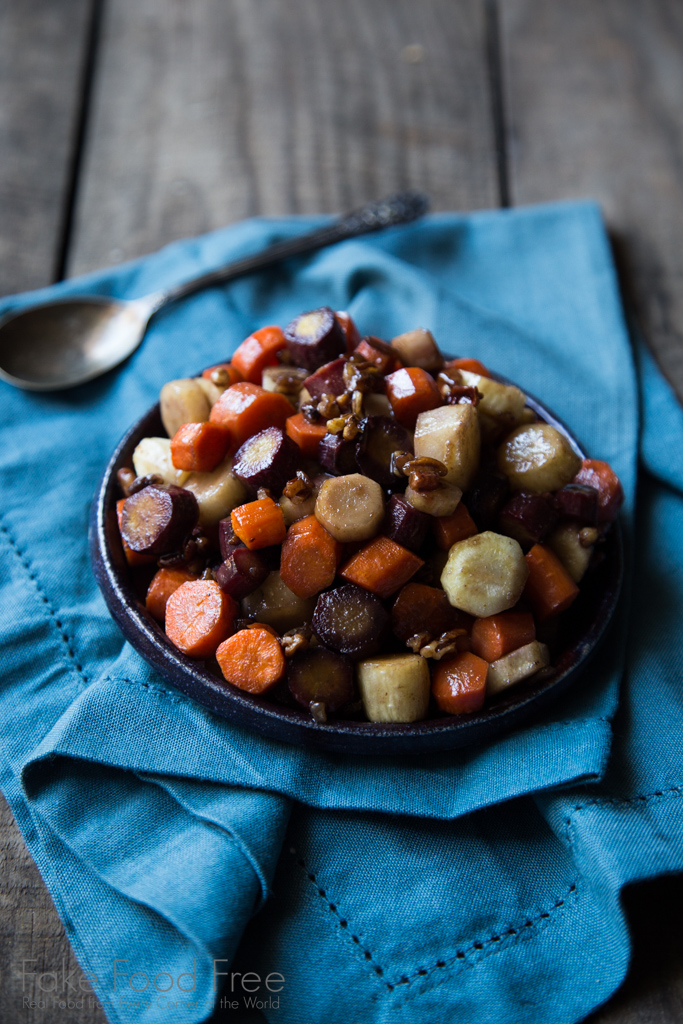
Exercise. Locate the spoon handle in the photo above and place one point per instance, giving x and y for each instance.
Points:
(384, 213)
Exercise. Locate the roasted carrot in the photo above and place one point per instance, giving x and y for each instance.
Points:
(351, 332)
(601, 476)
(165, 583)
(459, 525)
(307, 435)
(132, 557)
(471, 365)
(233, 376)
(252, 659)
(309, 558)
(411, 391)
(459, 683)
(380, 355)
(258, 524)
(245, 409)
(549, 588)
(381, 566)
(258, 351)
(199, 447)
(497, 635)
(199, 616)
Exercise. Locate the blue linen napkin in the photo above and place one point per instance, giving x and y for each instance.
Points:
(481, 884)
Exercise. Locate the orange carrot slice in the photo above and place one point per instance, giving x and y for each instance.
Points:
(309, 557)
(246, 409)
(132, 557)
(459, 683)
(497, 635)
(252, 659)
(258, 524)
(199, 447)
(549, 588)
(411, 391)
(257, 352)
(307, 435)
(448, 530)
(165, 583)
(199, 616)
(381, 566)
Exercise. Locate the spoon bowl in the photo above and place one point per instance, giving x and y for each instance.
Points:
(61, 344)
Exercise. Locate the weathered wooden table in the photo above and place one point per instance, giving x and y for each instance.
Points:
(125, 124)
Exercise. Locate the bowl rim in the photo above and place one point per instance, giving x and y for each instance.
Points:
(261, 715)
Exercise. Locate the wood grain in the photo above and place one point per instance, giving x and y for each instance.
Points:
(41, 60)
(593, 98)
(32, 939)
(209, 112)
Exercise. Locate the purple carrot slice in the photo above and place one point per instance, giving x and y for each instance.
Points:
(486, 498)
(577, 501)
(242, 572)
(321, 676)
(382, 436)
(337, 456)
(350, 620)
(157, 520)
(315, 338)
(267, 459)
(328, 380)
(527, 518)
(405, 524)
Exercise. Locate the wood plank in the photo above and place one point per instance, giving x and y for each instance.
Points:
(593, 94)
(41, 59)
(209, 112)
(592, 97)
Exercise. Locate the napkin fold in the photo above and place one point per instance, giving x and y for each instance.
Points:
(480, 884)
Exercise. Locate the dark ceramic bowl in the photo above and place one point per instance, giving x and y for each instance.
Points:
(581, 630)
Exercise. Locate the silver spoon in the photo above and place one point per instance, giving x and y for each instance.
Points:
(60, 344)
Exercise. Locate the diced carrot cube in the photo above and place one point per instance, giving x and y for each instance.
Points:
(459, 683)
(257, 352)
(459, 525)
(259, 524)
(307, 435)
(246, 409)
(381, 566)
(199, 447)
(497, 635)
(549, 588)
(411, 391)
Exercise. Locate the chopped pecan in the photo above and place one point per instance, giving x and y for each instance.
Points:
(462, 394)
(150, 480)
(298, 639)
(448, 643)
(351, 428)
(588, 536)
(318, 710)
(357, 403)
(309, 411)
(262, 493)
(299, 488)
(418, 641)
(125, 478)
(220, 377)
(399, 461)
(327, 407)
(336, 426)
